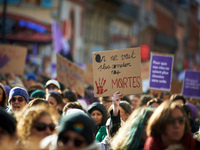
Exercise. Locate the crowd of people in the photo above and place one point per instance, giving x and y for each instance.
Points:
(46, 115)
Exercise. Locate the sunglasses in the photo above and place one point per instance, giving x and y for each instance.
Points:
(20, 99)
(51, 87)
(172, 120)
(43, 126)
(66, 139)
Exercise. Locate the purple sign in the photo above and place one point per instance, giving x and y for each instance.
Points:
(161, 72)
(191, 84)
(57, 37)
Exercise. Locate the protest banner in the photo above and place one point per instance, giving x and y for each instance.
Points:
(89, 74)
(161, 71)
(191, 84)
(117, 70)
(70, 74)
(12, 59)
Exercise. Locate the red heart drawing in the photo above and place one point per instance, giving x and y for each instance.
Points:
(71, 81)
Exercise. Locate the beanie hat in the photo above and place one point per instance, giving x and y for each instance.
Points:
(193, 111)
(7, 122)
(52, 81)
(31, 76)
(7, 88)
(78, 122)
(37, 94)
(18, 91)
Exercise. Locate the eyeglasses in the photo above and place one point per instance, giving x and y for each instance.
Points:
(20, 99)
(43, 126)
(172, 120)
(52, 87)
(66, 139)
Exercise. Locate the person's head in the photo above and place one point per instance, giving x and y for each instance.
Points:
(133, 132)
(165, 96)
(72, 105)
(169, 121)
(125, 110)
(2, 95)
(37, 94)
(18, 98)
(135, 101)
(55, 100)
(76, 131)
(98, 113)
(35, 123)
(106, 101)
(193, 111)
(52, 85)
(178, 98)
(31, 79)
(155, 102)
(38, 101)
(7, 130)
(69, 96)
(144, 99)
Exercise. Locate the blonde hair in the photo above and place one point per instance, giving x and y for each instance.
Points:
(28, 117)
(159, 119)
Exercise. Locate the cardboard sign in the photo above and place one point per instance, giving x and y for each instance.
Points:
(161, 72)
(70, 74)
(191, 84)
(89, 74)
(117, 70)
(12, 59)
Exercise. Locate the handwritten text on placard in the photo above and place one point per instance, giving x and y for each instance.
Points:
(117, 70)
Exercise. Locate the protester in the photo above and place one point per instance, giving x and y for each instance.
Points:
(37, 94)
(165, 96)
(72, 105)
(34, 124)
(3, 97)
(132, 134)
(192, 114)
(106, 101)
(135, 101)
(179, 98)
(18, 98)
(7, 88)
(69, 96)
(8, 136)
(125, 110)
(38, 101)
(144, 99)
(31, 79)
(52, 85)
(155, 102)
(167, 126)
(55, 101)
(98, 113)
(76, 132)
